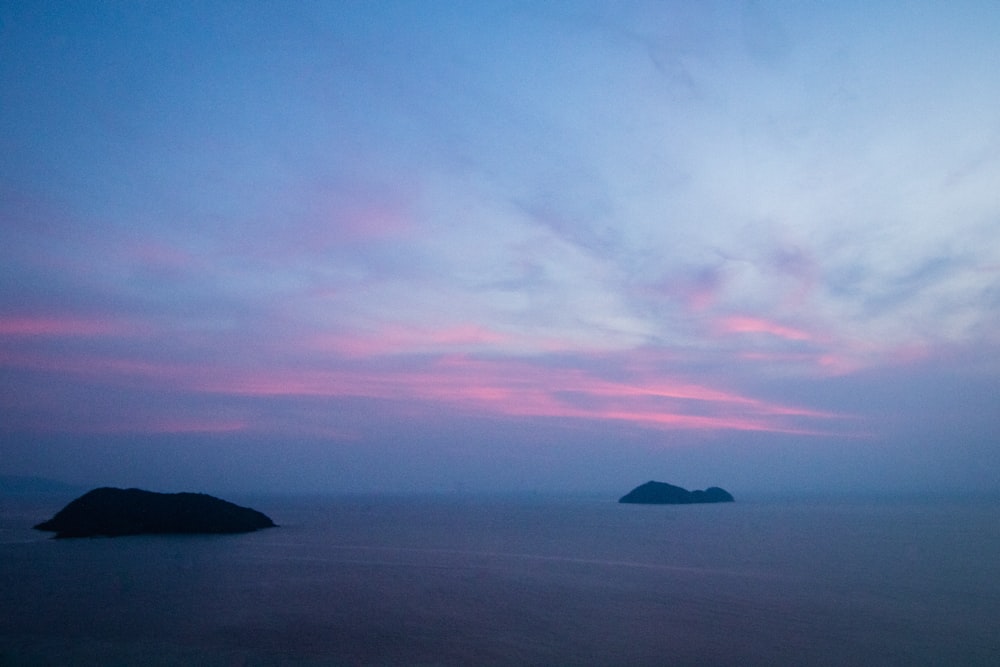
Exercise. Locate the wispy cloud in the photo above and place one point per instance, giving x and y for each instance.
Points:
(55, 326)
(750, 325)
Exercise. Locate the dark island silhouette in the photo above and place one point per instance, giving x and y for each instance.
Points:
(110, 512)
(661, 493)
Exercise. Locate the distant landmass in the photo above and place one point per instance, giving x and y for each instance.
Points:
(110, 512)
(661, 493)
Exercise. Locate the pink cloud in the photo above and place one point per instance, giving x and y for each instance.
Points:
(515, 387)
(150, 425)
(857, 355)
(742, 324)
(112, 371)
(697, 290)
(370, 220)
(180, 425)
(694, 422)
(160, 255)
(910, 354)
(63, 326)
(703, 291)
(518, 388)
(407, 340)
(329, 216)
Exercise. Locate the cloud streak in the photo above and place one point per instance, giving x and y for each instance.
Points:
(397, 366)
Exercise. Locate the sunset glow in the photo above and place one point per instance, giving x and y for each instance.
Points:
(697, 226)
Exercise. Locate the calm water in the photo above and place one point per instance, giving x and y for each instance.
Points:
(357, 581)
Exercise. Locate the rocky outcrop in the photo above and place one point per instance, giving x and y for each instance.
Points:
(660, 493)
(113, 512)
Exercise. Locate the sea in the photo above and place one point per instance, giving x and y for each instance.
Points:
(527, 580)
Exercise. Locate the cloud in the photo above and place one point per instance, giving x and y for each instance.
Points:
(742, 325)
(661, 218)
(62, 326)
(423, 367)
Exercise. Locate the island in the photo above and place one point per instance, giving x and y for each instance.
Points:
(661, 493)
(111, 512)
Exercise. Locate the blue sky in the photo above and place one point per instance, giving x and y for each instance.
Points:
(507, 245)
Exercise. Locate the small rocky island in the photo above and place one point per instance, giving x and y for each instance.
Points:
(660, 493)
(110, 512)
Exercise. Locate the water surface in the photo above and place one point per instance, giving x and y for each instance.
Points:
(466, 580)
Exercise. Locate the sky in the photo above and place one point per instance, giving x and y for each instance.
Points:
(504, 246)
